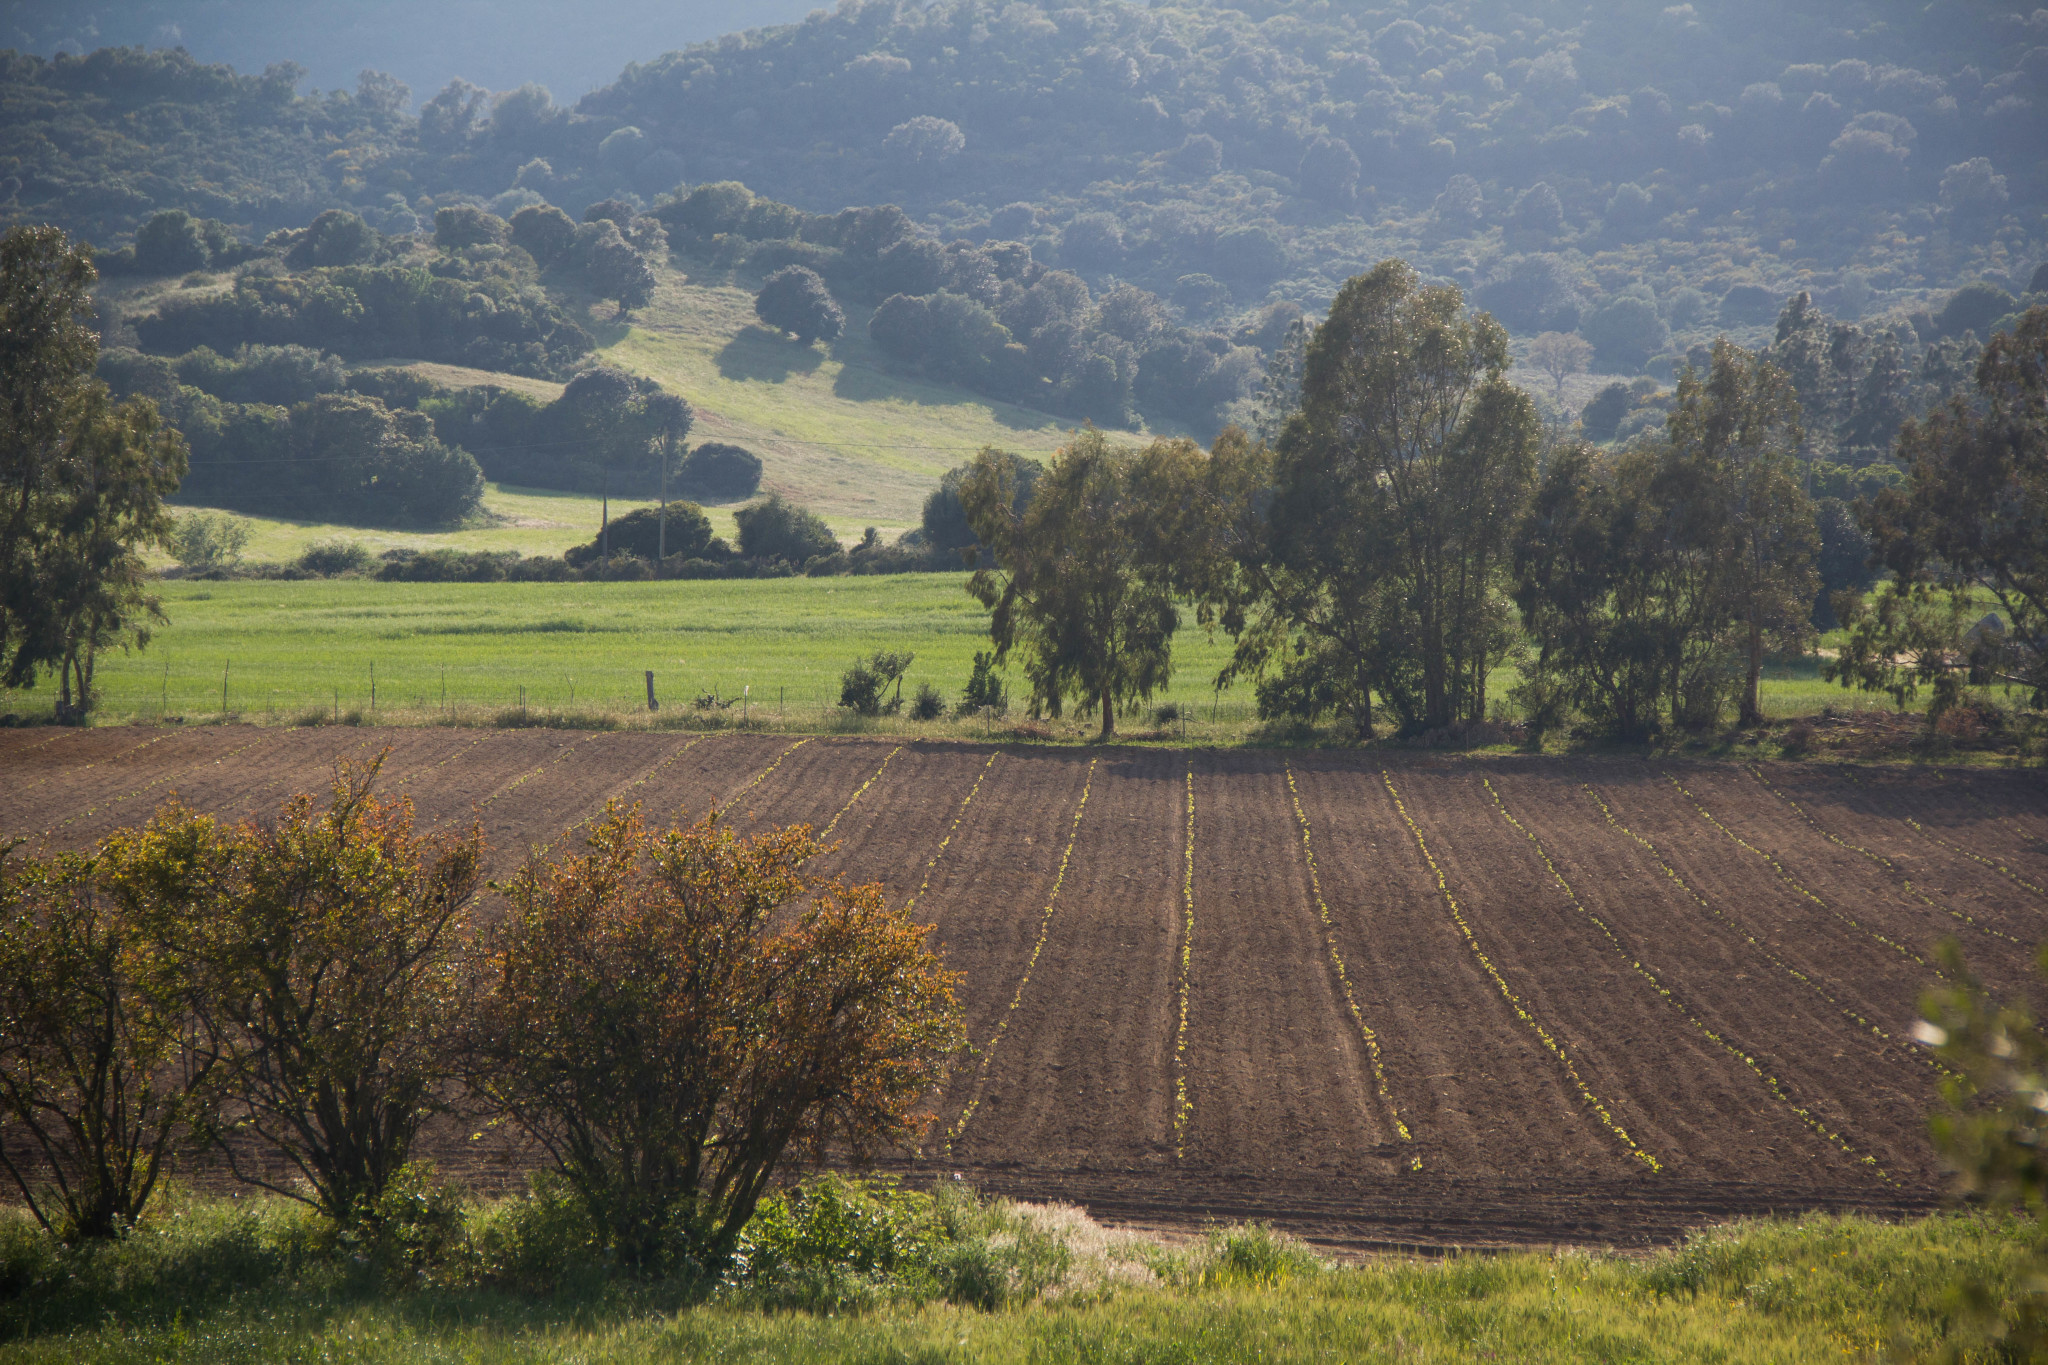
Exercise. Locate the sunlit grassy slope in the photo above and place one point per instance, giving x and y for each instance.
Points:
(835, 429)
(532, 521)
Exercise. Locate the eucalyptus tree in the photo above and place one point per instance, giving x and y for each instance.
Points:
(1082, 576)
(1394, 493)
(82, 479)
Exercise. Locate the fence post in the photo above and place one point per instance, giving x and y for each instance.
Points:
(224, 687)
(652, 704)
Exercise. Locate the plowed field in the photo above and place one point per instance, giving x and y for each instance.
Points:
(1408, 1001)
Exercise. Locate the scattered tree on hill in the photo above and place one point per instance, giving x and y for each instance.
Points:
(463, 225)
(676, 1018)
(544, 231)
(82, 479)
(716, 472)
(1602, 416)
(1560, 355)
(795, 300)
(617, 271)
(175, 243)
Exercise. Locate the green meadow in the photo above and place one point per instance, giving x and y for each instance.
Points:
(468, 651)
(219, 1283)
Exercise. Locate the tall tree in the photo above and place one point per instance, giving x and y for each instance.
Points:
(82, 480)
(1647, 582)
(671, 417)
(1971, 516)
(1395, 493)
(1740, 423)
(1082, 577)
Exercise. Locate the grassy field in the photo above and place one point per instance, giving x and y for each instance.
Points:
(578, 647)
(531, 521)
(469, 650)
(222, 1284)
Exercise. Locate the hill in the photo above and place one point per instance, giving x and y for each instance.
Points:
(1869, 152)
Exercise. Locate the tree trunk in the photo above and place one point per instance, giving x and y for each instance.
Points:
(604, 525)
(1752, 709)
(1108, 715)
(661, 531)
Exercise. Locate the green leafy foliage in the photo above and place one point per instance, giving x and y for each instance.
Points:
(777, 529)
(1989, 1132)
(1968, 518)
(862, 686)
(84, 479)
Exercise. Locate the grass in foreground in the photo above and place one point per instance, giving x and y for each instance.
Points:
(579, 653)
(227, 1281)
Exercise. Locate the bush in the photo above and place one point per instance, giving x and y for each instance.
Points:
(775, 528)
(332, 558)
(443, 566)
(317, 955)
(984, 690)
(90, 1047)
(930, 703)
(656, 1022)
(639, 534)
(861, 686)
(717, 472)
(208, 540)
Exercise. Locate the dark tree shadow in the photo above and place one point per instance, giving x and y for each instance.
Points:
(758, 353)
(866, 384)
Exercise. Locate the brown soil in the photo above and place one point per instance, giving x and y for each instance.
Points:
(1368, 1073)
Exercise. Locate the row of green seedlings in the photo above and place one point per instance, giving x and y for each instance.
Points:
(1717, 1037)
(1045, 921)
(1544, 1034)
(1994, 864)
(1892, 869)
(304, 993)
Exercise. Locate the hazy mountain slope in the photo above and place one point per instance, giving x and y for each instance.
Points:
(493, 42)
(1870, 151)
